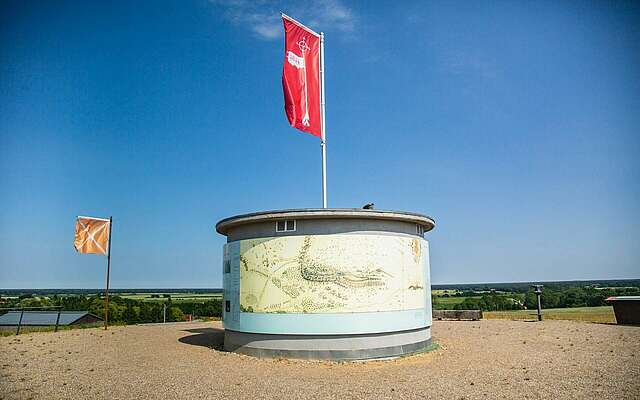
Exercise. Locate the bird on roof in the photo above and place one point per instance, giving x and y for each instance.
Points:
(368, 206)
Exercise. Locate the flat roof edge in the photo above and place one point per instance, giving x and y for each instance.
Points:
(223, 226)
(623, 298)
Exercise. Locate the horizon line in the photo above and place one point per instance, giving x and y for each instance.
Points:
(433, 284)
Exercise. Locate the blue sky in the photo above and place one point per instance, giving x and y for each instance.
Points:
(515, 125)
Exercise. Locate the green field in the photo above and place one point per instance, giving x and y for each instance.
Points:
(448, 300)
(175, 297)
(446, 303)
(586, 314)
(442, 292)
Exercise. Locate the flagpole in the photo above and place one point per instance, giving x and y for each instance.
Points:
(323, 143)
(106, 291)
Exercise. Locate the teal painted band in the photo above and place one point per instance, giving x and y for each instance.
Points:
(329, 323)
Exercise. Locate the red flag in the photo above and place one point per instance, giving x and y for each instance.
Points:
(301, 77)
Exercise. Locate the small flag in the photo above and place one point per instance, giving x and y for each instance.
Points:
(301, 77)
(92, 235)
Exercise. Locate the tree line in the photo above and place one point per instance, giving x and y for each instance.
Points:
(554, 296)
(132, 311)
(124, 310)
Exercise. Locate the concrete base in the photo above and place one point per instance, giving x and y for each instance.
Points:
(328, 347)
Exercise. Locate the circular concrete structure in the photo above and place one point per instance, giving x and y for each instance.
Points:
(340, 284)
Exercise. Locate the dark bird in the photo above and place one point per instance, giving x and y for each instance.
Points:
(368, 206)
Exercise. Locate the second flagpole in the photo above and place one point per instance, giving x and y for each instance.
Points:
(323, 142)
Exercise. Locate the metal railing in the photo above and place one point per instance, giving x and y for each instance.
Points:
(22, 310)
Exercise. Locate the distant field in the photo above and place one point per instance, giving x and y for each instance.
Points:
(446, 303)
(448, 300)
(586, 314)
(175, 297)
(441, 292)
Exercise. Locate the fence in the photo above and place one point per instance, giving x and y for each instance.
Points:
(22, 310)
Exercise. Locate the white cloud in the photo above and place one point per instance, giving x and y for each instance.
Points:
(263, 16)
(267, 31)
(476, 63)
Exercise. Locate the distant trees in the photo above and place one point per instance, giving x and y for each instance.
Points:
(493, 297)
(490, 302)
(175, 314)
(124, 310)
(211, 308)
(553, 296)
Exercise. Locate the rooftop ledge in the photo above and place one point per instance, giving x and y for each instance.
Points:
(224, 225)
(623, 298)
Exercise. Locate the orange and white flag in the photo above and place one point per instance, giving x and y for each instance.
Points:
(92, 235)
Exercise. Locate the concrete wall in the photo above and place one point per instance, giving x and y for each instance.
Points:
(457, 315)
(323, 227)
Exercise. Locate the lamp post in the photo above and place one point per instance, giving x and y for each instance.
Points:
(537, 289)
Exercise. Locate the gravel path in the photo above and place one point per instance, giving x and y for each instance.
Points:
(488, 359)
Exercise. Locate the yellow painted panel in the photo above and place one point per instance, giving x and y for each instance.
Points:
(331, 274)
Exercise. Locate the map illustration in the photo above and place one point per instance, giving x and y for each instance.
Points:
(331, 274)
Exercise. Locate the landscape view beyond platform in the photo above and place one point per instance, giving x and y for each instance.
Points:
(570, 300)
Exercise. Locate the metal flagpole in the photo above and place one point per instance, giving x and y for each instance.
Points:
(323, 143)
(106, 290)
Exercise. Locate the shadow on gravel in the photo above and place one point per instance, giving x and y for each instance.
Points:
(212, 338)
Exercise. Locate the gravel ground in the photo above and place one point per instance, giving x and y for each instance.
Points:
(476, 360)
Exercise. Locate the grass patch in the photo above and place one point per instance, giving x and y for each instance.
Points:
(602, 314)
(448, 300)
(433, 346)
(448, 303)
(11, 331)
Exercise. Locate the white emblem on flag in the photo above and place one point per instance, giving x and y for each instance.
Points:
(298, 62)
(295, 60)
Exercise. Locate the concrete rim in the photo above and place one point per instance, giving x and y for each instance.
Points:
(224, 225)
(329, 347)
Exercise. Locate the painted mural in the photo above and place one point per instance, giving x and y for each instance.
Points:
(339, 273)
